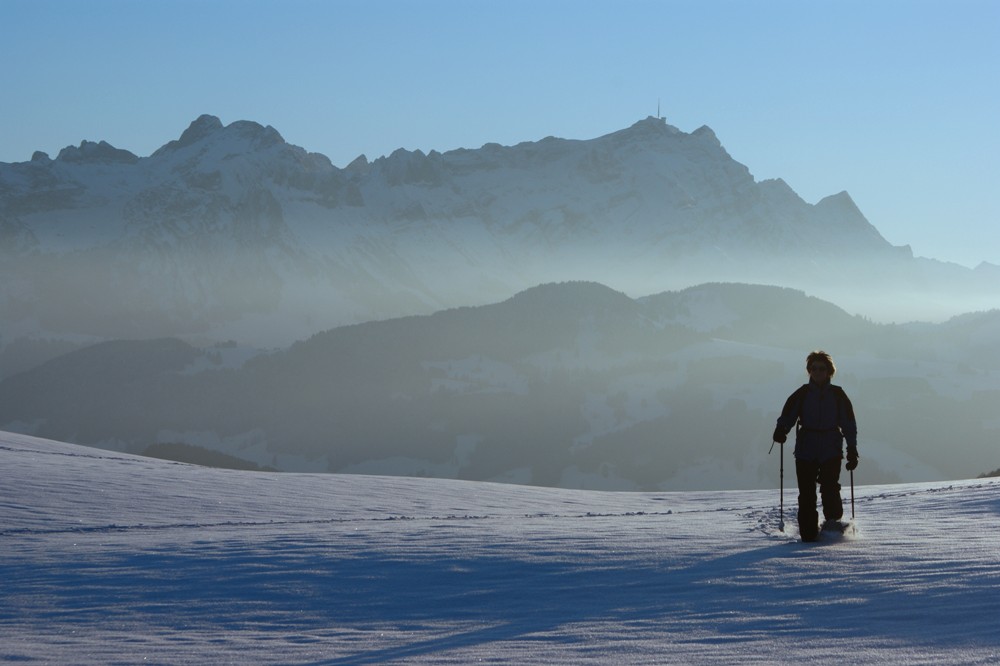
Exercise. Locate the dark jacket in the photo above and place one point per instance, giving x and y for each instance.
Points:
(825, 417)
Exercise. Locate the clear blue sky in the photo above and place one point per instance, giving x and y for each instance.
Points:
(895, 101)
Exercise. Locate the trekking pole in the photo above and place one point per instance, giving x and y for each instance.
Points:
(852, 494)
(781, 519)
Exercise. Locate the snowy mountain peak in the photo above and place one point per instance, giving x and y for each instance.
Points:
(652, 124)
(260, 135)
(196, 131)
(359, 164)
(647, 129)
(250, 135)
(95, 153)
(706, 132)
(652, 130)
(840, 211)
(841, 201)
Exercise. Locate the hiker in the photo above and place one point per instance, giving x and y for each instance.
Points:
(825, 418)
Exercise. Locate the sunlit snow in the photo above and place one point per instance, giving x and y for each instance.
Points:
(108, 558)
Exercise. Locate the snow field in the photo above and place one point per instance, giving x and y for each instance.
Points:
(115, 559)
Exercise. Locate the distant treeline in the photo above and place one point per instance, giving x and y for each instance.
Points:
(197, 455)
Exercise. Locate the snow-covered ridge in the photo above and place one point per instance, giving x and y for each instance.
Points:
(110, 558)
(229, 232)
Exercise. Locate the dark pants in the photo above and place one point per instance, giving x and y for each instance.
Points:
(827, 474)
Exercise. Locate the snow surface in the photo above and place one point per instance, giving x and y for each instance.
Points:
(108, 558)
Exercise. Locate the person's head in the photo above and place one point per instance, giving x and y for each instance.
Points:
(820, 366)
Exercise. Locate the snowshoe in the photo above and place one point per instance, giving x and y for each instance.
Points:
(838, 526)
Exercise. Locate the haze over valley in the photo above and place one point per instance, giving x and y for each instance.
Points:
(626, 312)
(572, 385)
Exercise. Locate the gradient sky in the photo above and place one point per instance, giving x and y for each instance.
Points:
(895, 101)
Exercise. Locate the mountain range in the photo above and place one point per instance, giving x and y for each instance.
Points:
(625, 312)
(573, 385)
(229, 232)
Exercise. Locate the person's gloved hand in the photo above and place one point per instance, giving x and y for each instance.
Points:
(852, 460)
(779, 436)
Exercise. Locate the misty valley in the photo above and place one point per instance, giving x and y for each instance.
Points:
(573, 385)
(586, 314)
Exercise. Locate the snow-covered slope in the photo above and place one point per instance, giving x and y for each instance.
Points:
(114, 559)
(230, 232)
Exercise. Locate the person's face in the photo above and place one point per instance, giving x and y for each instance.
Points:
(818, 371)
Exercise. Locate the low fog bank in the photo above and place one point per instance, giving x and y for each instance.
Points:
(573, 385)
(270, 295)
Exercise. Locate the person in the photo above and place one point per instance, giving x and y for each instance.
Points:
(825, 418)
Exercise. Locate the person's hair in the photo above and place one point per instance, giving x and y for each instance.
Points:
(825, 358)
